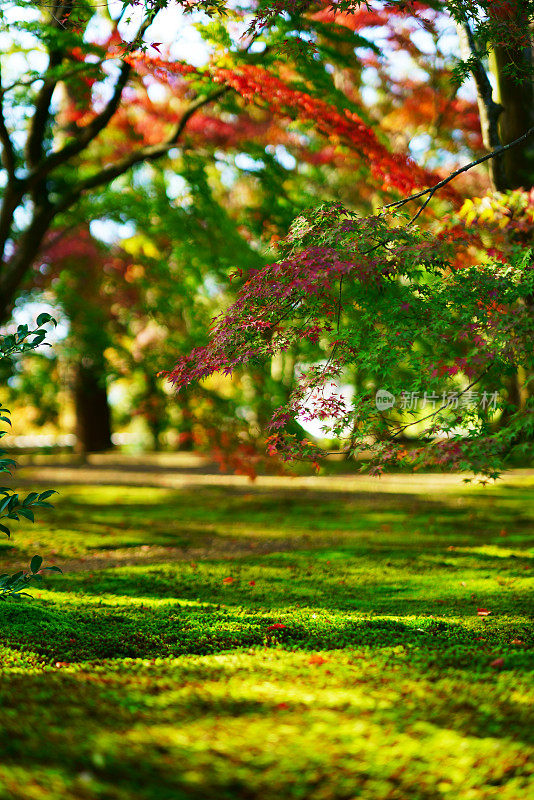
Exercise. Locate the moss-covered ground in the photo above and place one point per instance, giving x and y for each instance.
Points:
(228, 642)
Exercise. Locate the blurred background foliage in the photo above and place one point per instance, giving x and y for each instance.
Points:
(138, 267)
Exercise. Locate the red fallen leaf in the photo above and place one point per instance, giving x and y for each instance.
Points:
(193, 565)
(282, 706)
(228, 580)
(317, 659)
(252, 583)
(483, 612)
(276, 627)
(451, 547)
(503, 532)
(156, 45)
(497, 663)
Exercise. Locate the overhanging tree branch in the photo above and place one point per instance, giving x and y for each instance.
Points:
(149, 153)
(30, 243)
(36, 135)
(433, 189)
(86, 135)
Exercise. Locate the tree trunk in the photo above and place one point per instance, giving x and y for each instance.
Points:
(93, 418)
(517, 100)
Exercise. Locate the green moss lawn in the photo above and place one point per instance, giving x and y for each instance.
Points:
(319, 641)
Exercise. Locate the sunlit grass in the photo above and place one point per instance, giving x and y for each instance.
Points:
(241, 642)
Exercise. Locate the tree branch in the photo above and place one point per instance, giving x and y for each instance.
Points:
(84, 67)
(8, 154)
(402, 428)
(433, 189)
(26, 250)
(36, 135)
(14, 190)
(86, 135)
(149, 153)
(29, 246)
(489, 111)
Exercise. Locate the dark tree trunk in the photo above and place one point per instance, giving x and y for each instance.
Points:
(516, 99)
(93, 418)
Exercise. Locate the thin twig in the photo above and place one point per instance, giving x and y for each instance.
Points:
(86, 66)
(441, 408)
(339, 303)
(432, 189)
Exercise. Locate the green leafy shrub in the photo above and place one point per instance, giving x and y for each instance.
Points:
(12, 507)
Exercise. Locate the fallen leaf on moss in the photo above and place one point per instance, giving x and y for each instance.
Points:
(317, 659)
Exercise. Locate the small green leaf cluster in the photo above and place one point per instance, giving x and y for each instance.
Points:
(12, 506)
(13, 586)
(20, 342)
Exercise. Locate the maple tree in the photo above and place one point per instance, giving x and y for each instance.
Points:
(58, 158)
(133, 305)
(427, 315)
(299, 79)
(60, 165)
(76, 134)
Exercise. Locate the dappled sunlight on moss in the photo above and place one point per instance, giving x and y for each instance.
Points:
(230, 643)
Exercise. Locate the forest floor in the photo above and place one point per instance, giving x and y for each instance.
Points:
(291, 639)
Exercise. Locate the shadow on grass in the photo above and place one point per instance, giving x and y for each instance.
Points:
(132, 631)
(358, 579)
(65, 713)
(89, 519)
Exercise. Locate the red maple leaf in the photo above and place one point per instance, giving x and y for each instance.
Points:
(317, 659)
